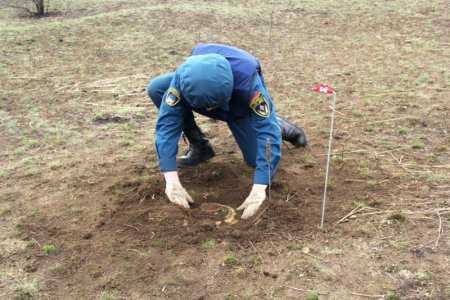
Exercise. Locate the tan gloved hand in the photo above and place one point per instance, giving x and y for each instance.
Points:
(175, 191)
(253, 201)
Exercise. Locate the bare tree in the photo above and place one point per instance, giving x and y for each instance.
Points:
(39, 7)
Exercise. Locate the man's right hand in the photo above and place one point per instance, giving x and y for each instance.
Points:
(175, 191)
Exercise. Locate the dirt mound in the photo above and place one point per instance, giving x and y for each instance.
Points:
(142, 204)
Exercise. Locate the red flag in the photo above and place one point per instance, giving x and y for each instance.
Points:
(323, 88)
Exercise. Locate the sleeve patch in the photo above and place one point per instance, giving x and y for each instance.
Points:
(173, 97)
(260, 105)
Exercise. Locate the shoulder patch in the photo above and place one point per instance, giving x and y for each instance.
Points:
(173, 97)
(259, 105)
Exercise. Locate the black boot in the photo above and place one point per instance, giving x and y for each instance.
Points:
(292, 133)
(200, 149)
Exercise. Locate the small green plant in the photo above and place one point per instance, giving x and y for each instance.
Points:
(295, 247)
(32, 243)
(32, 144)
(20, 227)
(107, 295)
(391, 268)
(438, 177)
(308, 160)
(372, 183)
(209, 244)
(359, 203)
(4, 212)
(423, 276)
(356, 114)
(231, 260)
(418, 145)
(157, 243)
(397, 217)
(331, 185)
(447, 292)
(49, 249)
(26, 290)
(339, 159)
(392, 295)
(402, 131)
(57, 269)
(312, 295)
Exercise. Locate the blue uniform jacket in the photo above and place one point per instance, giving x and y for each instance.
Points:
(259, 137)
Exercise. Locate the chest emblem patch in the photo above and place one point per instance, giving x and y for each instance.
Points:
(259, 105)
(173, 97)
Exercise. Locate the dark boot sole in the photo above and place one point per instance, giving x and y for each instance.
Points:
(188, 162)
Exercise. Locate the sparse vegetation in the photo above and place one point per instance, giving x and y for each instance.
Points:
(157, 243)
(26, 290)
(231, 260)
(418, 145)
(402, 131)
(392, 295)
(230, 297)
(49, 249)
(209, 244)
(397, 217)
(312, 295)
(108, 295)
(295, 247)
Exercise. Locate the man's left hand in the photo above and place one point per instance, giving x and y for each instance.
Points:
(253, 201)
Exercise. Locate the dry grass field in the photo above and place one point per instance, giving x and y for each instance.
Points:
(83, 213)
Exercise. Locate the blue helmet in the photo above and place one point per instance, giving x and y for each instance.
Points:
(206, 81)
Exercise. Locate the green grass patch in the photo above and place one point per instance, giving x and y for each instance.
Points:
(312, 295)
(49, 249)
(108, 295)
(402, 131)
(32, 243)
(230, 297)
(157, 243)
(295, 247)
(418, 145)
(423, 276)
(5, 212)
(209, 244)
(392, 295)
(438, 177)
(20, 227)
(231, 260)
(26, 290)
(397, 217)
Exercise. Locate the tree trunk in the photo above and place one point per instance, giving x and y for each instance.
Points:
(40, 7)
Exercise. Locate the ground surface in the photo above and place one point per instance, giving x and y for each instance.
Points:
(82, 209)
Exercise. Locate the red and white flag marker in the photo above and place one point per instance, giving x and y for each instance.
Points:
(328, 90)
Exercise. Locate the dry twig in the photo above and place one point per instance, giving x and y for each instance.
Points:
(303, 290)
(388, 120)
(436, 244)
(289, 197)
(368, 296)
(351, 213)
(131, 226)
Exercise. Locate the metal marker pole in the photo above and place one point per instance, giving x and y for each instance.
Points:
(269, 162)
(328, 160)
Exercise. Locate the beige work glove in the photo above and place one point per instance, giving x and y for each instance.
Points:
(253, 201)
(175, 191)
